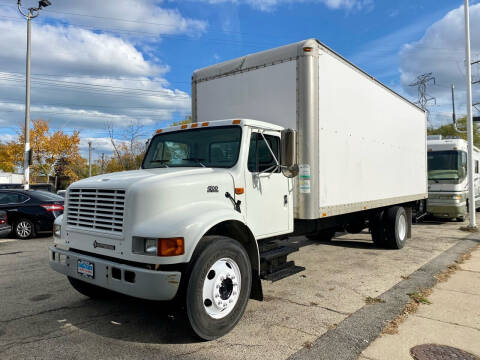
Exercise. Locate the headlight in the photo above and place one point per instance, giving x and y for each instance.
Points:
(151, 246)
(158, 246)
(57, 229)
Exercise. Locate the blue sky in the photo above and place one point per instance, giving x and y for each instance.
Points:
(122, 62)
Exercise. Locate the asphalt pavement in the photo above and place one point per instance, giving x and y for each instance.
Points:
(42, 317)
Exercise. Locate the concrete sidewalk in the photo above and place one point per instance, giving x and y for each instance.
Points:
(450, 316)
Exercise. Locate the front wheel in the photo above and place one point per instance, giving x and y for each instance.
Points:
(219, 287)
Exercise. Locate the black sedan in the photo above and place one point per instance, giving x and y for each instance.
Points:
(5, 228)
(30, 212)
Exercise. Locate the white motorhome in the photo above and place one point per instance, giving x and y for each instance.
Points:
(447, 177)
(209, 213)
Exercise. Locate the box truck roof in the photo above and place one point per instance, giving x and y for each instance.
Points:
(272, 57)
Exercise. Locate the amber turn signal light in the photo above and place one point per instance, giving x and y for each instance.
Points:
(171, 247)
(239, 191)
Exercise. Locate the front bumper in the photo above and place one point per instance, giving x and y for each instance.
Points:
(125, 279)
(448, 211)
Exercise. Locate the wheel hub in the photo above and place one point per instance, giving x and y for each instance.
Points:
(24, 229)
(226, 288)
(221, 288)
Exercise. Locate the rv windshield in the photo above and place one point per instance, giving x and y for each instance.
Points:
(216, 147)
(449, 165)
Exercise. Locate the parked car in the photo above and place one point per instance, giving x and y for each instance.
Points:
(5, 227)
(30, 211)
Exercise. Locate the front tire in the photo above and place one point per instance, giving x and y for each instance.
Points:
(218, 287)
(24, 229)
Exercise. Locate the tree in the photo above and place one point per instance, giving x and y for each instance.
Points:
(48, 148)
(449, 130)
(128, 148)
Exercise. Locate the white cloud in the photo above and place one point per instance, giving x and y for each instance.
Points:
(81, 79)
(268, 5)
(137, 17)
(441, 51)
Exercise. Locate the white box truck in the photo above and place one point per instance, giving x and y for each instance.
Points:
(210, 212)
(447, 177)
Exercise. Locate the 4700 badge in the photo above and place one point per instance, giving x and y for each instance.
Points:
(85, 268)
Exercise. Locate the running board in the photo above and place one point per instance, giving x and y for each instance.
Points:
(273, 260)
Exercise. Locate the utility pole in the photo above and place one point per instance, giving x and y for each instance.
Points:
(103, 163)
(423, 98)
(89, 159)
(27, 157)
(468, 64)
(454, 116)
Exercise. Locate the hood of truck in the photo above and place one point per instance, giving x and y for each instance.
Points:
(146, 196)
(126, 179)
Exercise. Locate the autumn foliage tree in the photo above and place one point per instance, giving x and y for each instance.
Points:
(51, 149)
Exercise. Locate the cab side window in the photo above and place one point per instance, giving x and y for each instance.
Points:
(259, 157)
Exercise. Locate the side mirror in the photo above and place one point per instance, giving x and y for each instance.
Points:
(288, 159)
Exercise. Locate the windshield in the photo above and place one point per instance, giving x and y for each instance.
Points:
(448, 165)
(216, 147)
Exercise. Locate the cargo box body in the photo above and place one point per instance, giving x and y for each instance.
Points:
(360, 145)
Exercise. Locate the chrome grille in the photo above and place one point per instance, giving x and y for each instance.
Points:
(99, 209)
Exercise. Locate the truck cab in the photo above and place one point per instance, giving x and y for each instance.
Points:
(139, 232)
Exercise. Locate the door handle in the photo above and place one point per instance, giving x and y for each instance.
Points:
(285, 199)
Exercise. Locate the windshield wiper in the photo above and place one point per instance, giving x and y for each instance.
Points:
(163, 162)
(197, 160)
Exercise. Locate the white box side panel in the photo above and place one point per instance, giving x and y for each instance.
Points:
(265, 94)
(372, 142)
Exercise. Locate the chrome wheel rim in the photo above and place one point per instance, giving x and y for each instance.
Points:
(221, 288)
(402, 227)
(24, 229)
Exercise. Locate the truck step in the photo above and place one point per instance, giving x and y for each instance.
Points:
(289, 269)
(277, 252)
(274, 265)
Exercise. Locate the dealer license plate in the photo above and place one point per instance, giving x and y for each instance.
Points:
(85, 268)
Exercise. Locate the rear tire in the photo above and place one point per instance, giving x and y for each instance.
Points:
(24, 229)
(396, 224)
(218, 287)
(89, 290)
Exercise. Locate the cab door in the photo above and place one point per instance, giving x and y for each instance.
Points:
(268, 196)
